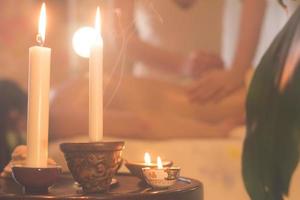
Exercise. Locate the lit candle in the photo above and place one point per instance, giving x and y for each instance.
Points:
(147, 158)
(161, 177)
(159, 163)
(38, 98)
(96, 84)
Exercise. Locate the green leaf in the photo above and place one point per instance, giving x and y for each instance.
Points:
(271, 147)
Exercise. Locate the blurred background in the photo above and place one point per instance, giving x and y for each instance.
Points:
(150, 108)
(19, 27)
(18, 33)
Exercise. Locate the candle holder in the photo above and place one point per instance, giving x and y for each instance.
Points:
(94, 164)
(136, 168)
(36, 180)
(161, 178)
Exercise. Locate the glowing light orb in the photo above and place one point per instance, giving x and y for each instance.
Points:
(82, 41)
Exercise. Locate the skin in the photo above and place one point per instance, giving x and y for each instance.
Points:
(191, 64)
(142, 109)
(212, 85)
(154, 109)
(223, 82)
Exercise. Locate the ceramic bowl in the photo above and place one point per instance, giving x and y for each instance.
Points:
(36, 180)
(93, 165)
(136, 169)
(161, 178)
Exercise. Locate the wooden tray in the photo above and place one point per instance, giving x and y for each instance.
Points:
(127, 188)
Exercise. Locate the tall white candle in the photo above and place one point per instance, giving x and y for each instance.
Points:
(96, 84)
(38, 99)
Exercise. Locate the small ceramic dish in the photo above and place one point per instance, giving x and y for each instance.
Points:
(36, 180)
(161, 178)
(136, 168)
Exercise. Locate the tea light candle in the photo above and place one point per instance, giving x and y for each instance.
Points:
(136, 167)
(159, 163)
(147, 159)
(161, 177)
(96, 84)
(38, 99)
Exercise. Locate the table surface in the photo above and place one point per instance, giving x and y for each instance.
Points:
(127, 188)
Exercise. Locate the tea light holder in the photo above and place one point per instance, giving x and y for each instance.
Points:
(161, 178)
(136, 168)
(36, 180)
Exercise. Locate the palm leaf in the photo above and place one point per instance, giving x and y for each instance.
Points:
(271, 147)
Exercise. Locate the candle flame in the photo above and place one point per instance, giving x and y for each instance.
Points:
(98, 22)
(147, 158)
(159, 163)
(42, 25)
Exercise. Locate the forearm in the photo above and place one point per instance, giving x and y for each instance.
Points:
(250, 27)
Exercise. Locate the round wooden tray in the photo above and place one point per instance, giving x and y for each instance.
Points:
(127, 188)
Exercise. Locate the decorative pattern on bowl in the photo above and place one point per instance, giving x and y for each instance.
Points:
(93, 165)
(136, 169)
(161, 178)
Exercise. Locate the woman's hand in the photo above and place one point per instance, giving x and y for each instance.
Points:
(216, 85)
(198, 62)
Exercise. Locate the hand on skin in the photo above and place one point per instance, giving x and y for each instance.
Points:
(198, 62)
(216, 85)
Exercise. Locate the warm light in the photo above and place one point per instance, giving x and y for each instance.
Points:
(98, 22)
(83, 40)
(85, 37)
(159, 163)
(147, 158)
(42, 25)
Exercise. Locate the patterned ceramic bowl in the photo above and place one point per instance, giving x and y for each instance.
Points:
(136, 168)
(93, 165)
(161, 178)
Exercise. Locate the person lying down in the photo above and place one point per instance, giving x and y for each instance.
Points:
(141, 108)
